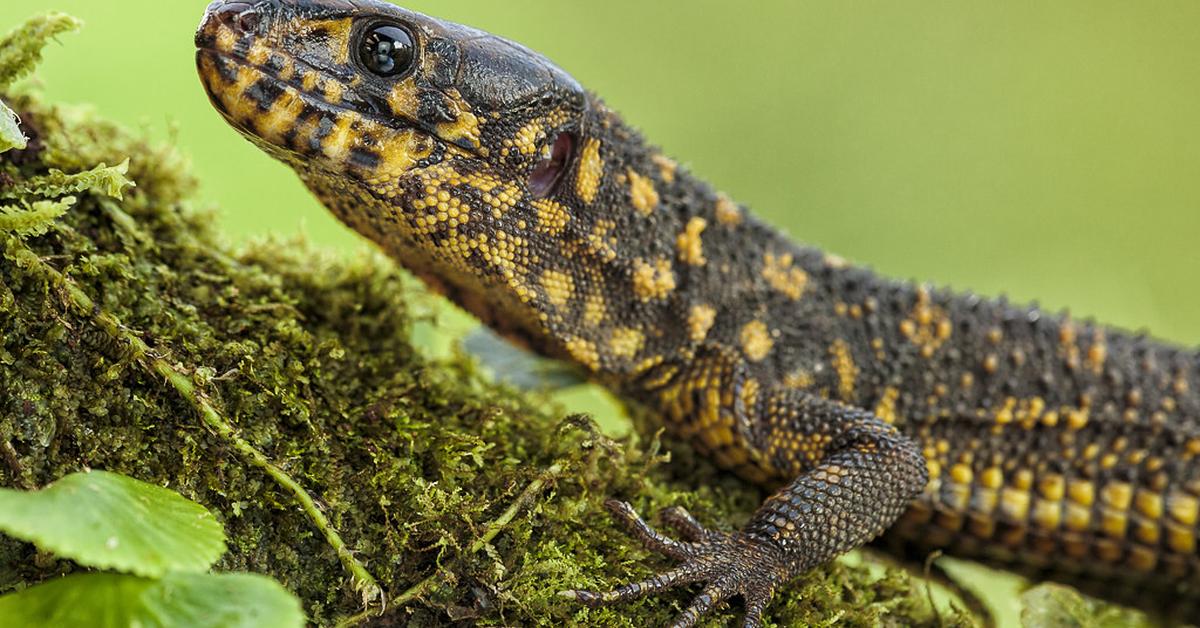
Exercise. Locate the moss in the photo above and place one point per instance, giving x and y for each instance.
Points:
(467, 501)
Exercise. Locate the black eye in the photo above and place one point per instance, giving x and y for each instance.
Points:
(387, 50)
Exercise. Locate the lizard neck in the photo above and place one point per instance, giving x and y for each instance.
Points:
(659, 264)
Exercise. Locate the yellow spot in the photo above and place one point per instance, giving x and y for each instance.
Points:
(886, 408)
(846, 369)
(935, 469)
(1183, 508)
(528, 137)
(642, 193)
(1046, 514)
(690, 244)
(992, 478)
(1014, 504)
(595, 309)
(1148, 503)
(991, 364)
(591, 170)
(961, 474)
(653, 281)
(333, 92)
(800, 379)
(1004, 415)
(626, 342)
(756, 341)
(583, 352)
(1067, 336)
(552, 216)
(398, 154)
(600, 243)
(404, 99)
(666, 167)
(1146, 531)
(1052, 486)
(727, 212)
(1117, 494)
(1022, 479)
(282, 117)
(559, 287)
(700, 322)
(783, 276)
(1077, 418)
(1079, 518)
(1097, 353)
(259, 53)
(465, 125)
(226, 39)
(309, 81)
(928, 326)
(1082, 492)
(1181, 539)
(1113, 522)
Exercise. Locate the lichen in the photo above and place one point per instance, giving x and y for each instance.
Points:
(468, 501)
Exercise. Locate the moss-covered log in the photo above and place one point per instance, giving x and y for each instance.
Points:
(133, 339)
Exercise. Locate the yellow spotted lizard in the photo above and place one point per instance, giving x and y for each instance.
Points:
(949, 421)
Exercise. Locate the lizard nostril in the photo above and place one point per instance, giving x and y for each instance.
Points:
(238, 16)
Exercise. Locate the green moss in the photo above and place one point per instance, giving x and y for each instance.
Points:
(466, 500)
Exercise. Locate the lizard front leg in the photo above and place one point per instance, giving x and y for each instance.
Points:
(854, 475)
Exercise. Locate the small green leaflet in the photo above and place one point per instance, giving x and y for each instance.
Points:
(105, 600)
(110, 521)
(10, 131)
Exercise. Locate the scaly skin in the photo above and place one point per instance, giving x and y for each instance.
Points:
(991, 431)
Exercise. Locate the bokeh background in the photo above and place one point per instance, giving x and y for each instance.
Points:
(1047, 151)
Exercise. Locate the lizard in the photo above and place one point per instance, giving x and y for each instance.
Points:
(873, 408)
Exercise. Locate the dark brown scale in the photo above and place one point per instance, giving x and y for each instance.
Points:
(991, 431)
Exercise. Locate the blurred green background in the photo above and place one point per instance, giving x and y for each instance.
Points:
(1048, 151)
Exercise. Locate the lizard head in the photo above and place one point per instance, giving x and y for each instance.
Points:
(476, 162)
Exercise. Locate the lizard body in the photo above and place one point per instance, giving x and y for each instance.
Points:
(993, 431)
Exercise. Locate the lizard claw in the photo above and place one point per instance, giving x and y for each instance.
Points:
(729, 564)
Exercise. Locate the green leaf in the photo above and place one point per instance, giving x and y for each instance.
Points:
(517, 367)
(110, 521)
(10, 130)
(103, 600)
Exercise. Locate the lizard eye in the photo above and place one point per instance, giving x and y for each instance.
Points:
(546, 174)
(387, 50)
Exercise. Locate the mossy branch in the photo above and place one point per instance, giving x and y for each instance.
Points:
(139, 351)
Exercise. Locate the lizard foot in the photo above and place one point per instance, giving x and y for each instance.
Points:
(729, 564)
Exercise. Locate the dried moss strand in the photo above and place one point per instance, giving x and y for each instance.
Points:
(9, 454)
(364, 582)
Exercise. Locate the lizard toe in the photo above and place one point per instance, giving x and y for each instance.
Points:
(729, 564)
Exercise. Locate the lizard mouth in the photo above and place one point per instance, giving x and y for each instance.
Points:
(284, 104)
